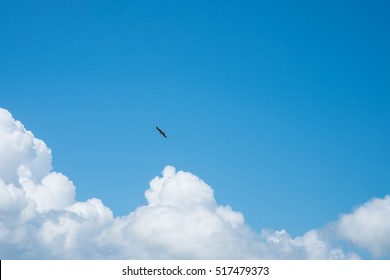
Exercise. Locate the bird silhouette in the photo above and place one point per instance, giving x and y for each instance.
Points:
(161, 132)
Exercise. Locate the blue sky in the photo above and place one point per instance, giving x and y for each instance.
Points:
(283, 108)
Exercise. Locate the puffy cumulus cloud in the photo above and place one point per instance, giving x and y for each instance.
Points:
(71, 233)
(13, 203)
(25, 166)
(54, 192)
(181, 220)
(368, 226)
(315, 244)
(40, 218)
(19, 147)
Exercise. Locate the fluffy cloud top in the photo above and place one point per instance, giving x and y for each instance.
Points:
(20, 149)
(40, 219)
(368, 226)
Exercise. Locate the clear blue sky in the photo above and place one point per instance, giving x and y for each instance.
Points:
(283, 107)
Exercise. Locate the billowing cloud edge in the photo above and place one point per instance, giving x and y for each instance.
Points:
(41, 219)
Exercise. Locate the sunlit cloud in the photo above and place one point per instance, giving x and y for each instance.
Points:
(41, 219)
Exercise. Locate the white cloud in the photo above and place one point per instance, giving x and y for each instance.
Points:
(19, 147)
(54, 192)
(368, 226)
(181, 220)
(40, 218)
(12, 203)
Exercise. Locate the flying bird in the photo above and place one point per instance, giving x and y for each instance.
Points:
(161, 132)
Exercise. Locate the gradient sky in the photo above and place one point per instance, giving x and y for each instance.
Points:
(283, 108)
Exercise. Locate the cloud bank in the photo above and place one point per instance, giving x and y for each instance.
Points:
(40, 218)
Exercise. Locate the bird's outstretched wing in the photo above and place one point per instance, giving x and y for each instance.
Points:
(161, 132)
